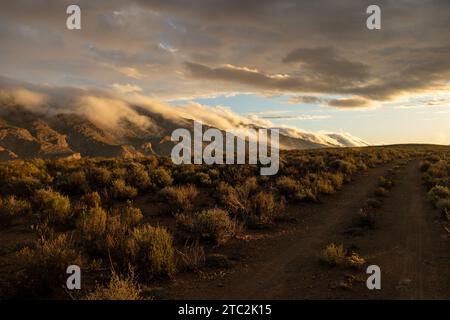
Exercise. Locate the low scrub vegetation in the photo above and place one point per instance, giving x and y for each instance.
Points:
(436, 177)
(158, 218)
(118, 288)
(335, 255)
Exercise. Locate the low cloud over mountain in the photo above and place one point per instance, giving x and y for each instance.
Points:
(44, 121)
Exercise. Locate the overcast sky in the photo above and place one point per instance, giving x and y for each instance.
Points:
(309, 64)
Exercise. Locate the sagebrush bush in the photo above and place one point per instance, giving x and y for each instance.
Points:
(100, 177)
(43, 267)
(266, 209)
(118, 288)
(121, 191)
(130, 215)
(237, 200)
(333, 255)
(138, 177)
(191, 257)
(155, 251)
(437, 193)
(294, 190)
(52, 206)
(355, 260)
(91, 200)
(214, 224)
(92, 223)
(324, 185)
(12, 207)
(160, 178)
(180, 198)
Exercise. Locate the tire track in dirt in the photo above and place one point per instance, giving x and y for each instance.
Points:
(286, 266)
(409, 245)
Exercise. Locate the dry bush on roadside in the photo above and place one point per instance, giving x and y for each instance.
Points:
(437, 193)
(53, 206)
(215, 224)
(266, 209)
(294, 190)
(118, 288)
(212, 224)
(191, 257)
(237, 200)
(354, 260)
(333, 255)
(180, 198)
(155, 251)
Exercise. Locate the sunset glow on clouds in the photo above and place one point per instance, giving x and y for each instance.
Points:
(307, 64)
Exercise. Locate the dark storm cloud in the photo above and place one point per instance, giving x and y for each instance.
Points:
(175, 48)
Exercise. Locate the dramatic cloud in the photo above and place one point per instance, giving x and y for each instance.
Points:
(190, 48)
(348, 103)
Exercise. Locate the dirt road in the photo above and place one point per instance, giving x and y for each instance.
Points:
(409, 245)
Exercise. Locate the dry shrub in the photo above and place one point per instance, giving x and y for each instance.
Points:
(336, 179)
(266, 209)
(160, 178)
(237, 199)
(43, 268)
(294, 190)
(180, 198)
(138, 177)
(335, 255)
(214, 224)
(100, 177)
(53, 206)
(324, 185)
(118, 288)
(91, 200)
(92, 223)
(191, 257)
(121, 191)
(12, 207)
(130, 215)
(355, 260)
(155, 251)
(437, 193)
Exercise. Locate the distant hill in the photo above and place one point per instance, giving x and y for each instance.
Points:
(26, 134)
